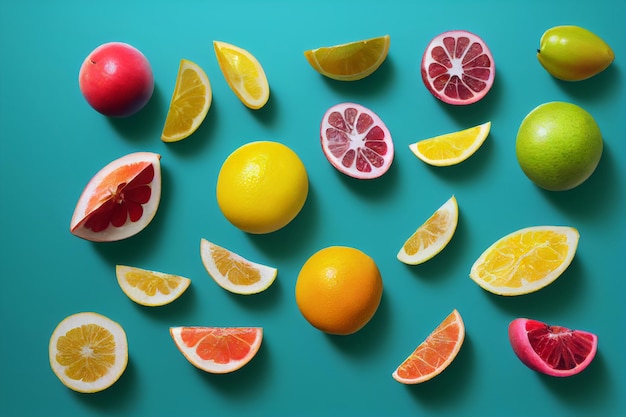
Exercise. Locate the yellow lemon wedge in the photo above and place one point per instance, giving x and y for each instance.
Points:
(233, 272)
(451, 148)
(432, 236)
(150, 288)
(349, 61)
(190, 102)
(526, 260)
(243, 73)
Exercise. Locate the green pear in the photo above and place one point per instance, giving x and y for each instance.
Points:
(572, 53)
(558, 145)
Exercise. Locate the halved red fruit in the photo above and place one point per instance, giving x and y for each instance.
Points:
(552, 350)
(218, 350)
(458, 68)
(356, 141)
(120, 200)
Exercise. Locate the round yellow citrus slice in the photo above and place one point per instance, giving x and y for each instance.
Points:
(432, 236)
(435, 353)
(218, 350)
(349, 61)
(451, 148)
(88, 352)
(190, 102)
(243, 73)
(233, 272)
(150, 288)
(526, 260)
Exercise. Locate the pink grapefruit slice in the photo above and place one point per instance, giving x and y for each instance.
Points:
(218, 350)
(120, 200)
(552, 350)
(356, 141)
(458, 68)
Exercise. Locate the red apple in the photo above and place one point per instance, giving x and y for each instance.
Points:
(116, 79)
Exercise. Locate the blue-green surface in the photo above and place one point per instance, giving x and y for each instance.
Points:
(52, 142)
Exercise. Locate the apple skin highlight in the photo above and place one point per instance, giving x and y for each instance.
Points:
(116, 79)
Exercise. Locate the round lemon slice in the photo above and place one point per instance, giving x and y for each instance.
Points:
(150, 288)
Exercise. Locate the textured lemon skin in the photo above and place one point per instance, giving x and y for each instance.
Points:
(262, 186)
(558, 146)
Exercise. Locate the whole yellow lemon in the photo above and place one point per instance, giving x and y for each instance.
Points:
(262, 186)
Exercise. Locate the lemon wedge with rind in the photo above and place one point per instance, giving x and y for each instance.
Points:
(233, 272)
(432, 236)
(150, 288)
(243, 73)
(349, 61)
(451, 148)
(526, 260)
(190, 102)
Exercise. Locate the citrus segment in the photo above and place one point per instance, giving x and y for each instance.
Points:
(120, 200)
(432, 236)
(552, 350)
(218, 350)
(233, 272)
(339, 289)
(243, 73)
(526, 260)
(356, 141)
(451, 148)
(458, 68)
(190, 102)
(435, 353)
(150, 288)
(350, 61)
(262, 186)
(88, 352)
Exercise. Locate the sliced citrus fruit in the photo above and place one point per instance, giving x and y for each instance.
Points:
(526, 260)
(190, 102)
(120, 200)
(150, 288)
(356, 141)
(432, 236)
(243, 73)
(233, 272)
(451, 148)
(435, 353)
(552, 350)
(88, 352)
(349, 61)
(458, 68)
(218, 350)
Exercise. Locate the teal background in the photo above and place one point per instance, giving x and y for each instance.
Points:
(52, 142)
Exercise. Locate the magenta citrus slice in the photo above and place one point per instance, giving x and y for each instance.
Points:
(120, 200)
(458, 68)
(218, 350)
(552, 350)
(356, 141)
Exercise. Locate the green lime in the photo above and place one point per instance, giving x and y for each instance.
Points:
(558, 145)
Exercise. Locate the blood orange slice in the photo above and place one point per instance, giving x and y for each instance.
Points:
(458, 68)
(218, 350)
(552, 350)
(356, 141)
(120, 200)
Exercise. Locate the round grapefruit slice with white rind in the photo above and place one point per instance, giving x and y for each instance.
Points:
(120, 200)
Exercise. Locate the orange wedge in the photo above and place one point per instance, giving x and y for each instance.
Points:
(432, 236)
(435, 353)
(150, 288)
(233, 272)
(88, 352)
(451, 148)
(349, 61)
(526, 260)
(190, 102)
(243, 73)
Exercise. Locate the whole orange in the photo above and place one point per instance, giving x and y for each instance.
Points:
(339, 289)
